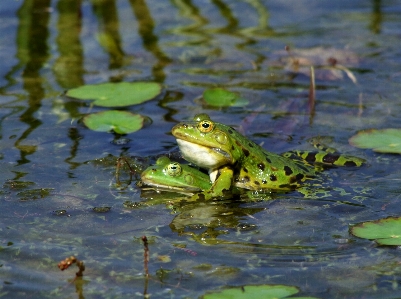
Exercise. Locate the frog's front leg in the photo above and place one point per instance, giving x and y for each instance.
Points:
(222, 185)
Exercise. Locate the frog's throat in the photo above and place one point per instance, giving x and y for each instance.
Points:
(203, 156)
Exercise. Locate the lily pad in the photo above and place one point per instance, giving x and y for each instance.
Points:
(256, 291)
(220, 97)
(117, 94)
(121, 122)
(382, 141)
(386, 231)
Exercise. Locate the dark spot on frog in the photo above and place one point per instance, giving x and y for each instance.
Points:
(230, 131)
(293, 179)
(331, 159)
(311, 157)
(232, 147)
(284, 186)
(300, 176)
(261, 166)
(237, 143)
(245, 179)
(273, 178)
(288, 186)
(245, 169)
(245, 151)
(350, 163)
(256, 183)
(250, 144)
(264, 182)
(268, 160)
(288, 170)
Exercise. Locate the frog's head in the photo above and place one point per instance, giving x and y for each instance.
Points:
(205, 143)
(166, 174)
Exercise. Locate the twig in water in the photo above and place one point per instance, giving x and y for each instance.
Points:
(312, 92)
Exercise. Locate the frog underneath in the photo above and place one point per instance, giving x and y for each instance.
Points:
(231, 157)
(173, 176)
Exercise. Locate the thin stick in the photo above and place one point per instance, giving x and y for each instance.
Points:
(145, 255)
(145, 265)
(312, 92)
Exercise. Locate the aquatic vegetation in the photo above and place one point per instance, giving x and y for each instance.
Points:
(386, 231)
(256, 291)
(116, 94)
(382, 141)
(220, 97)
(120, 122)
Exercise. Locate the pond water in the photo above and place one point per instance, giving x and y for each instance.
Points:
(55, 170)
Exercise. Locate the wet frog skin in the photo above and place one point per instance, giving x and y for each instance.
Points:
(215, 146)
(229, 156)
(173, 176)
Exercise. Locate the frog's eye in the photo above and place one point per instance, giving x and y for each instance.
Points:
(205, 126)
(173, 169)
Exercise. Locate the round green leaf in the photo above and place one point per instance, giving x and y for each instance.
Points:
(385, 231)
(383, 141)
(117, 94)
(121, 122)
(220, 97)
(252, 292)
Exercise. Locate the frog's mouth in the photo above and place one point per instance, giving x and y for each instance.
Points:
(203, 156)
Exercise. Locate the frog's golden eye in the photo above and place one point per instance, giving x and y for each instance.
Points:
(173, 169)
(205, 126)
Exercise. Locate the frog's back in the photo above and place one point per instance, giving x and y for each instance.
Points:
(265, 170)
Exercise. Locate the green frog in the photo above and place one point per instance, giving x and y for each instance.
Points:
(173, 176)
(232, 159)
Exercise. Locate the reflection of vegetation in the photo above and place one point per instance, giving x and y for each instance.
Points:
(377, 17)
(150, 40)
(108, 36)
(68, 67)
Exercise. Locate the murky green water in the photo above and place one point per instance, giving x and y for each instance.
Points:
(50, 162)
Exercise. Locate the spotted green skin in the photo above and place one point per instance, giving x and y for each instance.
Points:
(325, 158)
(213, 145)
(168, 175)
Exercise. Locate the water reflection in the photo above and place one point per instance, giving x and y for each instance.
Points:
(377, 17)
(227, 44)
(108, 35)
(149, 39)
(32, 53)
(68, 67)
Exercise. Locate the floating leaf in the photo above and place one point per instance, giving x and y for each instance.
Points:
(256, 291)
(121, 122)
(383, 141)
(220, 97)
(117, 94)
(386, 231)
